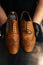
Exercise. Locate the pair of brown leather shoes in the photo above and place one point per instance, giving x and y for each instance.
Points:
(27, 33)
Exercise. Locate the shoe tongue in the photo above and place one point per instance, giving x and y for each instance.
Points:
(25, 17)
(12, 16)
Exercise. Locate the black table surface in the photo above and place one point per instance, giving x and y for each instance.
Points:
(21, 58)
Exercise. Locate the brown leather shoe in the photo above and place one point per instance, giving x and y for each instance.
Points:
(28, 39)
(12, 33)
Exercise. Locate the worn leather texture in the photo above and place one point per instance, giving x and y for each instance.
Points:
(28, 38)
(12, 36)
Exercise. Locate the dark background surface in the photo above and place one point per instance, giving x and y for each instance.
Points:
(21, 58)
(18, 6)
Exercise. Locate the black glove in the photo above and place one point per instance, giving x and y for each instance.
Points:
(2, 31)
(37, 29)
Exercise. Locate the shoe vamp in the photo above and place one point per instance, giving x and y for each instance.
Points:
(28, 36)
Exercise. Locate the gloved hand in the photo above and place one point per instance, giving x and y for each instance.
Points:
(37, 28)
(38, 32)
(2, 31)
